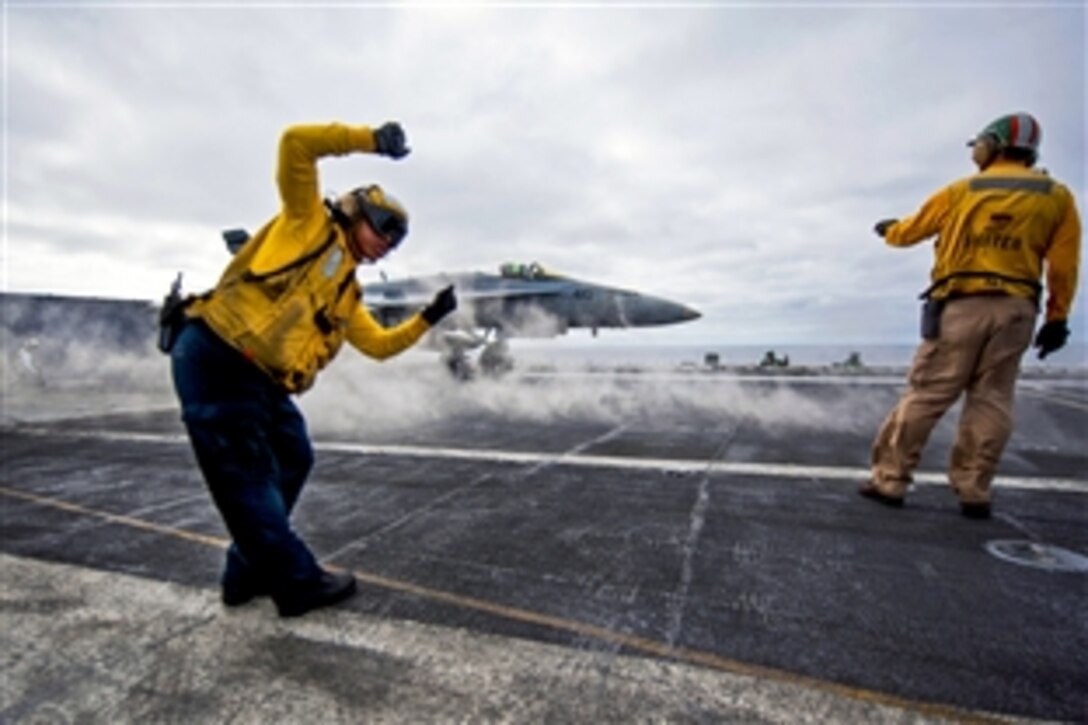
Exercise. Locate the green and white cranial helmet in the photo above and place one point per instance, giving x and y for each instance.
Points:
(1016, 130)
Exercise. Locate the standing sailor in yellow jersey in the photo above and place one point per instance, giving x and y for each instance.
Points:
(281, 311)
(998, 232)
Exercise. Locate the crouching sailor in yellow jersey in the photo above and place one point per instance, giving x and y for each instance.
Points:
(281, 311)
(998, 234)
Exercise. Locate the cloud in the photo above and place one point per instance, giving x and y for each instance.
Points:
(732, 157)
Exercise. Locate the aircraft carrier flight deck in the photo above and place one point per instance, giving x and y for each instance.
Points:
(548, 548)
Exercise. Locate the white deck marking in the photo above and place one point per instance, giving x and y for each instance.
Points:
(680, 465)
(1069, 400)
(540, 458)
(691, 546)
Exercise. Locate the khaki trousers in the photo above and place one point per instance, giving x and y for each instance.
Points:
(978, 353)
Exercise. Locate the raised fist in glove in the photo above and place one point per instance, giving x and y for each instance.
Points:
(389, 140)
(1051, 337)
(443, 303)
(881, 227)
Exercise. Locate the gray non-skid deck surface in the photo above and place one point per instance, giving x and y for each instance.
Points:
(729, 536)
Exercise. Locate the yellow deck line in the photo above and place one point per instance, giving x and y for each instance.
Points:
(528, 616)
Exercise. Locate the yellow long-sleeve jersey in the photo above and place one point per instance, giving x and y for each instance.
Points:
(995, 230)
(289, 298)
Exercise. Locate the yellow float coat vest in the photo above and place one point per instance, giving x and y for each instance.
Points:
(290, 321)
(997, 230)
(289, 298)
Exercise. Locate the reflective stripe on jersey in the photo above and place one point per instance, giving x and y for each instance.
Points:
(1035, 186)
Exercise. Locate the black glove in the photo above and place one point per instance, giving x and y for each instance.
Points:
(443, 303)
(1051, 337)
(389, 141)
(881, 227)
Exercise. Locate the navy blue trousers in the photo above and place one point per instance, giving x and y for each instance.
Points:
(252, 446)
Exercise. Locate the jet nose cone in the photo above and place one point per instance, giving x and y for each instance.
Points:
(650, 310)
(688, 313)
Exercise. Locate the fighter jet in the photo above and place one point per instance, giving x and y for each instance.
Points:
(523, 300)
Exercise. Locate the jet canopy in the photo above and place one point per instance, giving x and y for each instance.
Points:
(518, 270)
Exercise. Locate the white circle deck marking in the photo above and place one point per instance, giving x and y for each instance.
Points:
(1038, 556)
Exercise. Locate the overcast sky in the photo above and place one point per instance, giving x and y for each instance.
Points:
(731, 156)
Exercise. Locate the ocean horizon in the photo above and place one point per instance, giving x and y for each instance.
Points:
(664, 355)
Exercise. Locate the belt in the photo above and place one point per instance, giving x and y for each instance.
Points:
(980, 293)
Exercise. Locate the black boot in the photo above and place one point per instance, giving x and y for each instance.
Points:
(235, 594)
(979, 511)
(329, 589)
(240, 583)
(870, 491)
